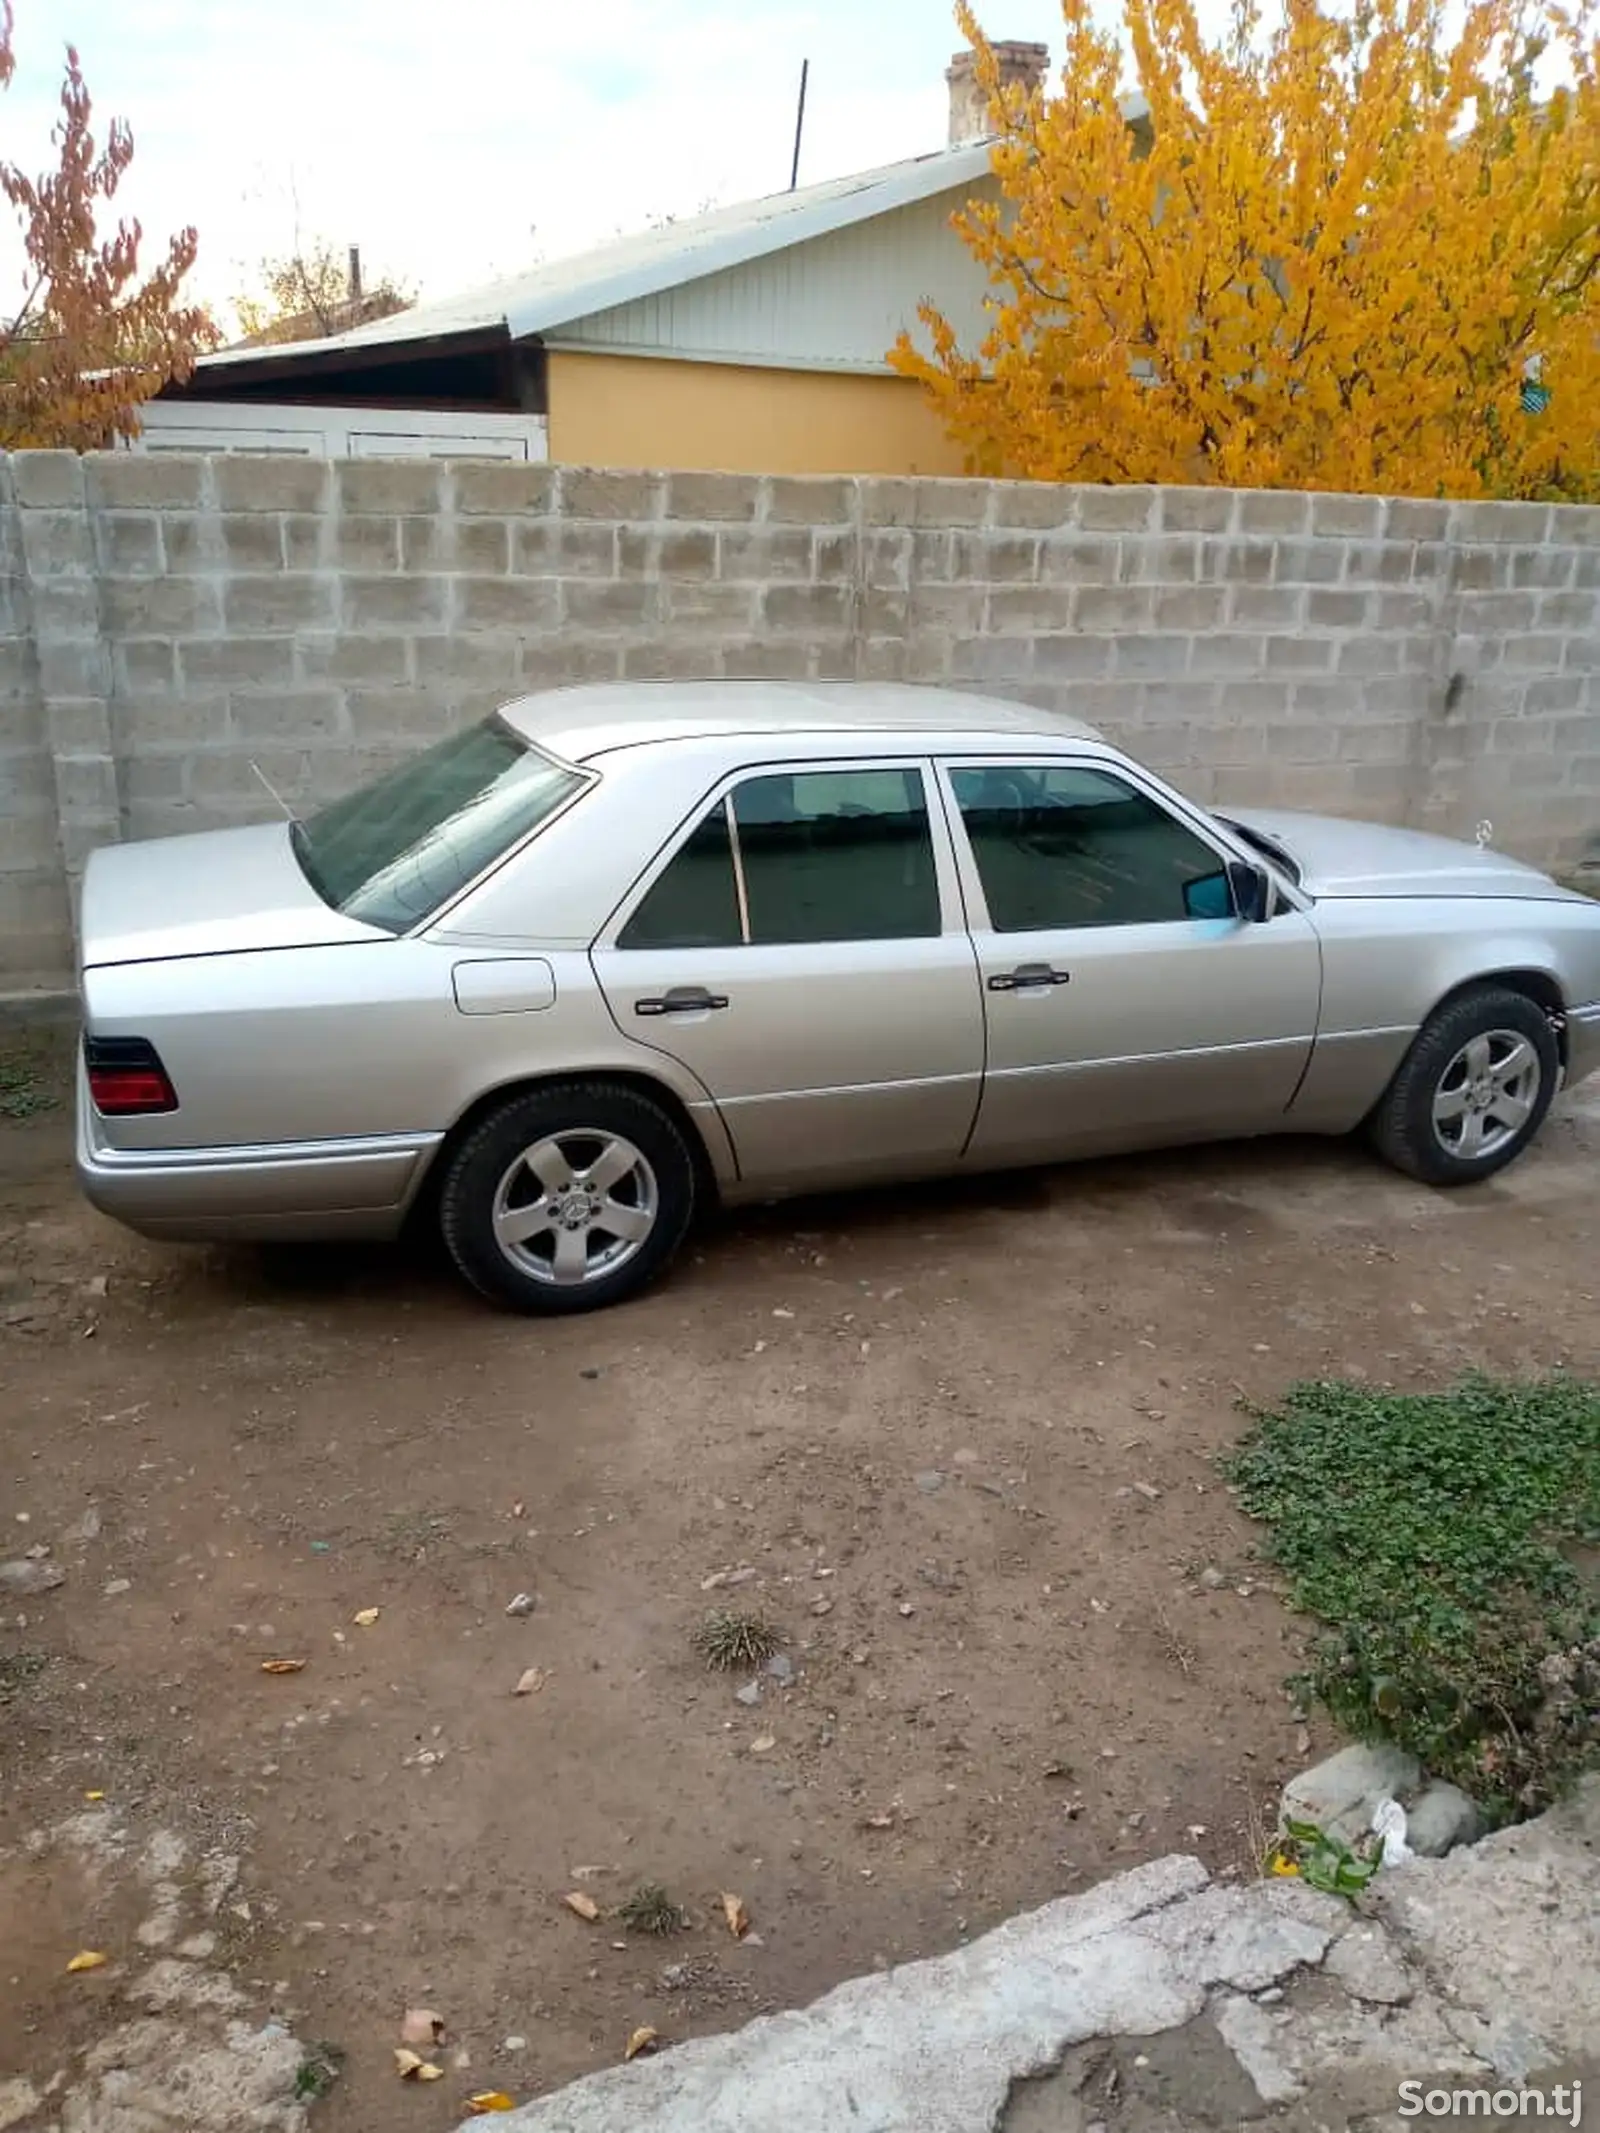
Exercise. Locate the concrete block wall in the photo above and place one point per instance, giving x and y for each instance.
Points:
(176, 629)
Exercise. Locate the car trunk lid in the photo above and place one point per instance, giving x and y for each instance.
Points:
(218, 892)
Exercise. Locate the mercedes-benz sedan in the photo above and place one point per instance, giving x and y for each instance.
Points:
(620, 952)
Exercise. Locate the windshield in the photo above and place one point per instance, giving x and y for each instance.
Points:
(392, 852)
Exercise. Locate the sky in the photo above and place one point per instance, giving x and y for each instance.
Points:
(459, 142)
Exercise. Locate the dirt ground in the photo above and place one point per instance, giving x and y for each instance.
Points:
(962, 1437)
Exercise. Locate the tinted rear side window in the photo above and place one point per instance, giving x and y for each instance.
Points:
(392, 852)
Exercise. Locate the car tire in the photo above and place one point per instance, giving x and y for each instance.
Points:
(568, 1198)
(1472, 1091)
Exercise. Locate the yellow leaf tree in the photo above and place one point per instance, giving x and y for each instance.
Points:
(89, 340)
(312, 293)
(1342, 251)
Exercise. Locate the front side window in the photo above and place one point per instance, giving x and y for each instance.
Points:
(826, 855)
(392, 852)
(1059, 846)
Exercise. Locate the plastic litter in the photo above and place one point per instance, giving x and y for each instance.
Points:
(1389, 1826)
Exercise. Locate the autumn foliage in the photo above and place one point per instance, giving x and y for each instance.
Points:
(90, 340)
(311, 293)
(1342, 251)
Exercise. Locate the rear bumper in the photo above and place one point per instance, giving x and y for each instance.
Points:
(299, 1193)
(1583, 1043)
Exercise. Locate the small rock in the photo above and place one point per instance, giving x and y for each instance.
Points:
(930, 1481)
(1340, 1793)
(23, 1578)
(84, 1529)
(114, 1588)
(822, 1607)
(1270, 1997)
(1367, 1966)
(965, 1457)
(590, 1373)
(1212, 1578)
(38, 1552)
(515, 2044)
(906, 1608)
(781, 1667)
(749, 1695)
(1148, 1490)
(523, 1604)
(1443, 1817)
(96, 1285)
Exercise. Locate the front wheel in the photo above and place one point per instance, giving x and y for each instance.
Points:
(1472, 1091)
(568, 1198)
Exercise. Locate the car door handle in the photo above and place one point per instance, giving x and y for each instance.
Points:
(1029, 977)
(682, 1000)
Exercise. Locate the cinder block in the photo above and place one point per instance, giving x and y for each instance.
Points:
(598, 605)
(521, 604)
(73, 666)
(1526, 524)
(1478, 569)
(50, 481)
(1160, 559)
(1120, 510)
(1576, 525)
(946, 610)
(1558, 611)
(501, 487)
(951, 503)
(835, 557)
(1358, 518)
(660, 660)
(992, 558)
(388, 487)
(807, 500)
(1284, 511)
(1366, 654)
(1338, 609)
(1071, 559)
(161, 607)
(881, 612)
(1149, 658)
(1554, 693)
(287, 714)
(1071, 658)
(1267, 607)
(1415, 518)
(989, 660)
(69, 607)
(58, 544)
(208, 664)
(192, 542)
(145, 667)
(668, 552)
(416, 715)
(760, 552)
(1226, 656)
(1401, 611)
(1196, 510)
(599, 492)
(479, 545)
(567, 548)
(278, 604)
(400, 602)
(1547, 569)
(252, 542)
(1237, 562)
(562, 662)
(720, 497)
(1025, 610)
(1500, 612)
(249, 481)
(1112, 607)
(342, 659)
(476, 659)
(767, 659)
(690, 605)
(891, 501)
(1307, 562)
(807, 607)
(151, 725)
(347, 540)
(1033, 505)
(128, 544)
(1299, 655)
(150, 481)
(1189, 607)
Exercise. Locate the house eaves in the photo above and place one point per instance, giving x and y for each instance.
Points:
(564, 291)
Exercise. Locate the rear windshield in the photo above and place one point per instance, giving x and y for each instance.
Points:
(394, 851)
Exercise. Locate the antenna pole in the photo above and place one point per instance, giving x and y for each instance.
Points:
(799, 124)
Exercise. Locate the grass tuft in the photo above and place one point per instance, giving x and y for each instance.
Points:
(1439, 1538)
(651, 1910)
(727, 1640)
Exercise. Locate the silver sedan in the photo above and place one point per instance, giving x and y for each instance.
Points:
(620, 952)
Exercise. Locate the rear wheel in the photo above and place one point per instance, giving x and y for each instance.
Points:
(568, 1198)
(1473, 1089)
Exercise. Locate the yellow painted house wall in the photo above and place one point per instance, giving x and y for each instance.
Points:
(646, 411)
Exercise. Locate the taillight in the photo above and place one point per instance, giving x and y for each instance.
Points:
(126, 1078)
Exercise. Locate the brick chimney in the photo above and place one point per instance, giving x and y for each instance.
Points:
(1021, 66)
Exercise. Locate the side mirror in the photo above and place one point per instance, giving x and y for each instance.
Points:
(1252, 891)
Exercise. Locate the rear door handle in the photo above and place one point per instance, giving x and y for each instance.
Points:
(682, 1000)
(1029, 977)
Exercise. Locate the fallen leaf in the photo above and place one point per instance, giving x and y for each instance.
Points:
(90, 1959)
(644, 2039)
(522, 1603)
(519, 1509)
(584, 1906)
(411, 2068)
(738, 1917)
(367, 1617)
(422, 2026)
(490, 2100)
(282, 1666)
(763, 1744)
(94, 1795)
(879, 1822)
(530, 1683)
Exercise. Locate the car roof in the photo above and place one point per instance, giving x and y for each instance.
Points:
(597, 718)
